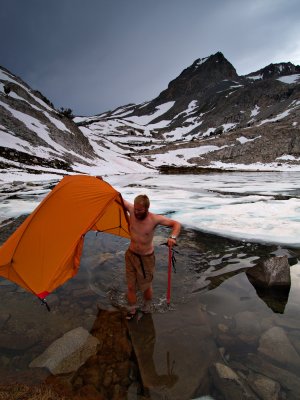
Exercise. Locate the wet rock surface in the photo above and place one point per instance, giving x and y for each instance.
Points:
(288, 381)
(67, 353)
(232, 386)
(271, 279)
(272, 272)
(275, 344)
(264, 387)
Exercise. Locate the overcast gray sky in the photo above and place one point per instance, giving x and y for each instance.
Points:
(96, 55)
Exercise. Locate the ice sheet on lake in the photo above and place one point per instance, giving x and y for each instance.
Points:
(247, 206)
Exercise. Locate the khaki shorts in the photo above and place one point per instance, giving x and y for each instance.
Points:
(139, 269)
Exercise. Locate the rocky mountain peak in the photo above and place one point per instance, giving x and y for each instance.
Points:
(216, 62)
(275, 71)
(200, 76)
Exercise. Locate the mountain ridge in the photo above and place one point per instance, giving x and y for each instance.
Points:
(208, 116)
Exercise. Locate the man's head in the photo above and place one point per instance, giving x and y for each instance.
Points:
(141, 206)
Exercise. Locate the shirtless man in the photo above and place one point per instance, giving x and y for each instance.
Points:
(140, 258)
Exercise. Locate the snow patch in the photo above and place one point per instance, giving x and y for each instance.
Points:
(180, 157)
(34, 125)
(227, 127)
(255, 167)
(277, 118)
(201, 61)
(255, 77)
(243, 139)
(255, 111)
(290, 79)
(146, 119)
(287, 157)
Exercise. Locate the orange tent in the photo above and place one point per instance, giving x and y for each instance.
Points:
(44, 252)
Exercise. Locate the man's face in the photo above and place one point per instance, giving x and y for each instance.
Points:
(140, 211)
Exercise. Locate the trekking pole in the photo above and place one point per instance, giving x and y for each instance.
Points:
(171, 264)
(169, 276)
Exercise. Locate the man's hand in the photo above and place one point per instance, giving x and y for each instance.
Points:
(171, 242)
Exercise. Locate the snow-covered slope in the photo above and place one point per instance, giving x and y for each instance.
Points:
(207, 117)
(35, 138)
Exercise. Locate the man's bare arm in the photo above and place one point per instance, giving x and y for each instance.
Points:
(128, 206)
(175, 225)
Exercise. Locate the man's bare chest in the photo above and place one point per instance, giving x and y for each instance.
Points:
(143, 228)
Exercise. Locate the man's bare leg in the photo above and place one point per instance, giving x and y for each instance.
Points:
(148, 293)
(131, 297)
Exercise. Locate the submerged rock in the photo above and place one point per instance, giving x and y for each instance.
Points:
(266, 388)
(230, 384)
(248, 328)
(288, 380)
(67, 353)
(275, 344)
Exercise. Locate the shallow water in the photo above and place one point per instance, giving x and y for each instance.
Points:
(210, 275)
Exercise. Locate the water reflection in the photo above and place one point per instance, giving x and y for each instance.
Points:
(275, 298)
(143, 335)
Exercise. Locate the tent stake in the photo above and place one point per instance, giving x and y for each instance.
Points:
(44, 303)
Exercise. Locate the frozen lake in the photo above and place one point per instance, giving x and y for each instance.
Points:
(261, 207)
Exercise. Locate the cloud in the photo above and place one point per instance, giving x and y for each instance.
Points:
(97, 55)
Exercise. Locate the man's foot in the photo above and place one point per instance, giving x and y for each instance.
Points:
(130, 316)
(146, 309)
(131, 313)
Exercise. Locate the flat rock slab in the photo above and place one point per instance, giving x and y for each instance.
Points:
(67, 353)
(275, 344)
(174, 352)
